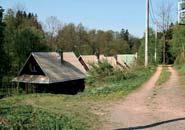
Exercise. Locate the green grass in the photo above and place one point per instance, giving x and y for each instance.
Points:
(84, 111)
(31, 118)
(165, 75)
(119, 84)
(180, 69)
(47, 111)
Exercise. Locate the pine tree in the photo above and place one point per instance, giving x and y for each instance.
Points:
(3, 60)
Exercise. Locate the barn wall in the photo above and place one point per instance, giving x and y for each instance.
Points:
(69, 87)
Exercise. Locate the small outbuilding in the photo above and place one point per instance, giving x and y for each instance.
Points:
(87, 61)
(127, 59)
(112, 61)
(52, 72)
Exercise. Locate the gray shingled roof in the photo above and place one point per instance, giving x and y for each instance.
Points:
(54, 70)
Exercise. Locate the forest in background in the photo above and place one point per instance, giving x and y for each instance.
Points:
(21, 33)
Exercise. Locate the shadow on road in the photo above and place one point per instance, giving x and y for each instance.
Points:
(152, 125)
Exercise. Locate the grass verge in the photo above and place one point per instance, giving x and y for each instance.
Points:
(165, 75)
(180, 69)
(83, 111)
(47, 111)
(118, 84)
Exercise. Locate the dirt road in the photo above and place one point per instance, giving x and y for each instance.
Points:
(151, 107)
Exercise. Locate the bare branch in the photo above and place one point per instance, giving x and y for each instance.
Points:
(165, 17)
(53, 25)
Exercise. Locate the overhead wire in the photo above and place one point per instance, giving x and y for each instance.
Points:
(152, 15)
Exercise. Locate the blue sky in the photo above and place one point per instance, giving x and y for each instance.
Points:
(93, 14)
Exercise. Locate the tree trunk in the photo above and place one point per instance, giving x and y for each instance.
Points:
(164, 50)
(1, 81)
(183, 50)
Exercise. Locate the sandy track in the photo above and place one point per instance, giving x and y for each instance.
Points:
(151, 107)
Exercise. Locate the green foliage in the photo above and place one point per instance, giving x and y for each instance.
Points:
(134, 43)
(23, 35)
(151, 49)
(180, 69)
(165, 75)
(124, 34)
(26, 117)
(78, 39)
(99, 72)
(48, 111)
(3, 56)
(101, 82)
(163, 47)
(180, 59)
(178, 44)
(29, 39)
(104, 72)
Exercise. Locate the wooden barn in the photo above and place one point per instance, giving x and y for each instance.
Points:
(112, 61)
(87, 61)
(52, 72)
(127, 59)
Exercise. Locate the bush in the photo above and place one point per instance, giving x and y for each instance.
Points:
(26, 117)
(99, 72)
(180, 69)
(115, 80)
(180, 60)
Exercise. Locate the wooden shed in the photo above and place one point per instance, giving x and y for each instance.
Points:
(127, 59)
(112, 61)
(87, 61)
(52, 72)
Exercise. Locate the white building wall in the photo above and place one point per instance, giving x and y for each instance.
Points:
(181, 11)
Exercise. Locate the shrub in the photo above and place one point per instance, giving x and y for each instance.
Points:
(115, 80)
(180, 60)
(99, 72)
(26, 117)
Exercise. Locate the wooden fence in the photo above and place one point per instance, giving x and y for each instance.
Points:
(7, 89)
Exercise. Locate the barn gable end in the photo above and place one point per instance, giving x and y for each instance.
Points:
(31, 67)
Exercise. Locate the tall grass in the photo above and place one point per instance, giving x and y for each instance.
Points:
(165, 75)
(102, 80)
(42, 112)
(26, 117)
(64, 112)
(98, 73)
(180, 69)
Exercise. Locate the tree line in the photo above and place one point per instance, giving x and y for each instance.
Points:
(169, 46)
(21, 33)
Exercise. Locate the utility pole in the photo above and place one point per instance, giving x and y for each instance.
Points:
(147, 33)
(155, 55)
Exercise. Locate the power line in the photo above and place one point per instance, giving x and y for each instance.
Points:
(153, 17)
(147, 32)
(154, 20)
